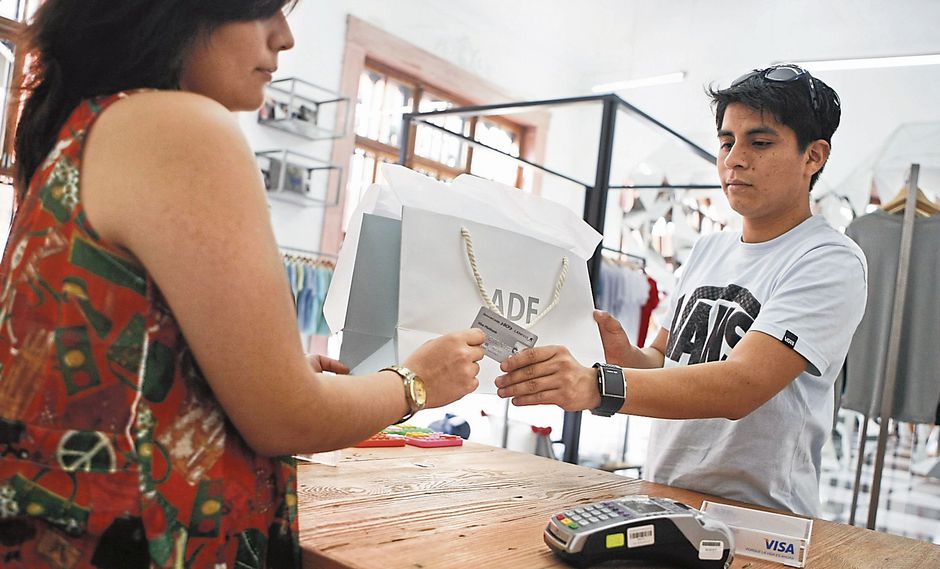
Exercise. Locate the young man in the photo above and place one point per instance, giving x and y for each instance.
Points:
(759, 324)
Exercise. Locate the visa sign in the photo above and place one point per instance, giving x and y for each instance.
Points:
(780, 546)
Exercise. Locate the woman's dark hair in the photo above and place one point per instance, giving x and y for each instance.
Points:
(88, 48)
(790, 103)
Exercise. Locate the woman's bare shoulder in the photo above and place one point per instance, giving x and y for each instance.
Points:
(154, 117)
(160, 150)
(162, 103)
(163, 136)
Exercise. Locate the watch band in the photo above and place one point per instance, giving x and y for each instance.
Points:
(612, 385)
(407, 378)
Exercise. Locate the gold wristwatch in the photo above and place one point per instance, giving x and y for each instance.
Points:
(415, 393)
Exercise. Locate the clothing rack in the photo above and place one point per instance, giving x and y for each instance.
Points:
(315, 258)
(894, 352)
(636, 259)
(595, 200)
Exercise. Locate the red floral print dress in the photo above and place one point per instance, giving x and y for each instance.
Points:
(113, 450)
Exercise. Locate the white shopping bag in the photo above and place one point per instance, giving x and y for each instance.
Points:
(404, 275)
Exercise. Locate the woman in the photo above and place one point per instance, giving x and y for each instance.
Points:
(151, 371)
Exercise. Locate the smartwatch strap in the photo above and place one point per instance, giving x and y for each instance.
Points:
(612, 385)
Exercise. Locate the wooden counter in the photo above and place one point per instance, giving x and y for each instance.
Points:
(478, 506)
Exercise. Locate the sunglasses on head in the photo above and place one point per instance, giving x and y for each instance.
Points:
(787, 73)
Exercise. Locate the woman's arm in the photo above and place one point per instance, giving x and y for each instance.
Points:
(169, 177)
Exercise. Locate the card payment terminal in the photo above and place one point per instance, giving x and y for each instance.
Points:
(640, 528)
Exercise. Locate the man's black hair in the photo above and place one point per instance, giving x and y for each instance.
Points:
(790, 104)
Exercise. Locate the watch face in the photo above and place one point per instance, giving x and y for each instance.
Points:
(613, 381)
(419, 393)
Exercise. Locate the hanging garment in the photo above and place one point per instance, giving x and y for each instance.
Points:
(301, 307)
(116, 453)
(291, 269)
(309, 280)
(652, 301)
(324, 278)
(623, 293)
(300, 277)
(918, 380)
(311, 309)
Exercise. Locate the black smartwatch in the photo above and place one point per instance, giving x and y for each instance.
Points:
(612, 385)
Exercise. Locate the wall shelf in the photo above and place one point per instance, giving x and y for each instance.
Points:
(304, 109)
(300, 179)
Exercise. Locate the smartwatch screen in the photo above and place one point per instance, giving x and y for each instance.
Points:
(613, 382)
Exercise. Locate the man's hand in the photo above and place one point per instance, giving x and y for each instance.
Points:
(322, 363)
(617, 345)
(548, 375)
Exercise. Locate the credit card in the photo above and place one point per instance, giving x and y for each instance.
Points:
(503, 337)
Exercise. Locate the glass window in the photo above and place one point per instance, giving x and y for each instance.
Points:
(437, 145)
(11, 65)
(12, 9)
(18, 10)
(495, 166)
(363, 172)
(385, 95)
(7, 51)
(380, 105)
(6, 212)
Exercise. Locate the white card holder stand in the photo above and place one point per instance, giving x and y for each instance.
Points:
(765, 535)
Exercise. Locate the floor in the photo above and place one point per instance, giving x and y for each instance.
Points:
(909, 502)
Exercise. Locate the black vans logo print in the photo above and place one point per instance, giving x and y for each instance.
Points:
(710, 323)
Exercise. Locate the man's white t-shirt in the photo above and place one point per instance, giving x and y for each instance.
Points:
(807, 288)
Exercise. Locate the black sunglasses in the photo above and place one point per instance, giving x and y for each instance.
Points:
(785, 74)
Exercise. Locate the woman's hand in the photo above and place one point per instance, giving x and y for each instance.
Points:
(448, 365)
(549, 375)
(319, 363)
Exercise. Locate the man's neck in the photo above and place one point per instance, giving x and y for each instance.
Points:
(761, 230)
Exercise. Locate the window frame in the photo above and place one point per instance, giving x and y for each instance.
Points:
(12, 31)
(419, 89)
(363, 41)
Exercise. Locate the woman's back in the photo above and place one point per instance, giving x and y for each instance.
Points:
(110, 431)
(143, 246)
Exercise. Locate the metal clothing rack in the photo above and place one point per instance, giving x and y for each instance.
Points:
(305, 252)
(595, 201)
(638, 259)
(894, 352)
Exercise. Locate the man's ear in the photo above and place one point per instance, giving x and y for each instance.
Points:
(817, 153)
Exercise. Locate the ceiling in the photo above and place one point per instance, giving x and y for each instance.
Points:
(540, 49)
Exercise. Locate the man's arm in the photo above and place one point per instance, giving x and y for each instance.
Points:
(758, 368)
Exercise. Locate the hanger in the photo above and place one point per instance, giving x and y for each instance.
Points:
(308, 259)
(624, 259)
(924, 207)
(626, 264)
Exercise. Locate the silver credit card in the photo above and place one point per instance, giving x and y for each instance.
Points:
(503, 337)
